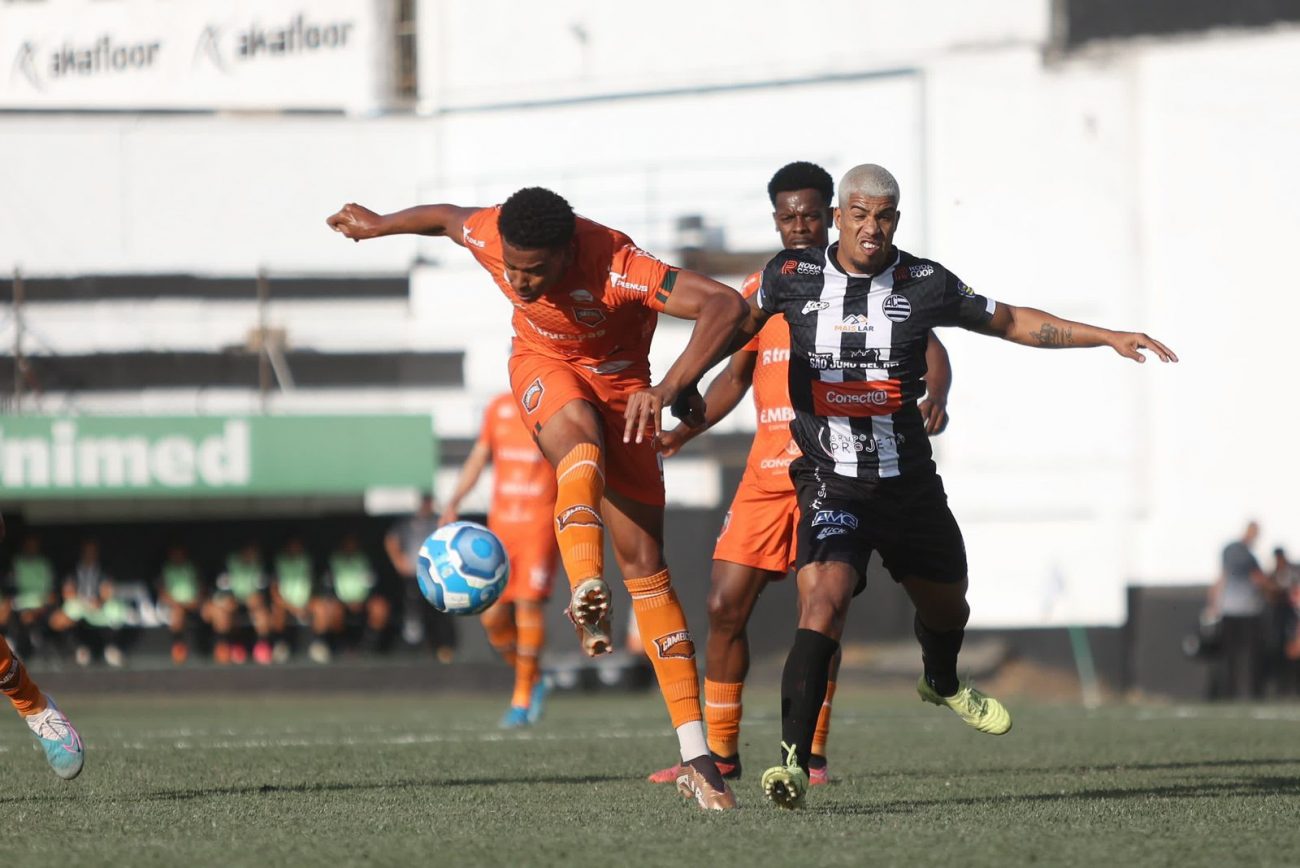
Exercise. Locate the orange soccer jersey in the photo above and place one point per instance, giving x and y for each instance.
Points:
(759, 530)
(587, 339)
(523, 500)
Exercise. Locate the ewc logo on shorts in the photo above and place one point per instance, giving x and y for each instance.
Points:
(533, 395)
(836, 517)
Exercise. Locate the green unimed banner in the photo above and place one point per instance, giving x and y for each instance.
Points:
(211, 456)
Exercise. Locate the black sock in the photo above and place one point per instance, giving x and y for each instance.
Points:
(939, 656)
(803, 689)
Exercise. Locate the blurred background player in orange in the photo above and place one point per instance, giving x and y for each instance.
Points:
(586, 302)
(757, 542)
(521, 512)
(59, 739)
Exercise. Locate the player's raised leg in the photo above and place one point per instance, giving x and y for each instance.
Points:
(940, 623)
(58, 738)
(636, 530)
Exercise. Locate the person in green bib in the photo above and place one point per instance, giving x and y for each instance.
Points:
(360, 612)
(297, 602)
(29, 596)
(183, 592)
(240, 598)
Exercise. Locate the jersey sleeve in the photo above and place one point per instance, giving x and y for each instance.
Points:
(479, 233)
(635, 275)
(485, 435)
(748, 289)
(959, 305)
(771, 283)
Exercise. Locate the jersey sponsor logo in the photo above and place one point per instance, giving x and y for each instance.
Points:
(811, 306)
(965, 290)
(794, 266)
(897, 308)
(577, 516)
(589, 316)
(774, 356)
(831, 531)
(532, 398)
(837, 517)
(856, 323)
(829, 362)
(775, 463)
(859, 398)
(611, 367)
(912, 272)
(771, 415)
(676, 644)
(620, 281)
(470, 239)
(582, 295)
(558, 336)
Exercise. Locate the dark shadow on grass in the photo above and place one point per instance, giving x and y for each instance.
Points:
(362, 786)
(1216, 789)
(1107, 767)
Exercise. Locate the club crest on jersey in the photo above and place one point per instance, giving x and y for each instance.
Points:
(532, 398)
(810, 306)
(897, 308)
(676, 644)
(577, 516)
(794, 266)
(589, 316)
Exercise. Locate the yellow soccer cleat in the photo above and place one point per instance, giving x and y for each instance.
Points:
(786, 785)
(975, 708)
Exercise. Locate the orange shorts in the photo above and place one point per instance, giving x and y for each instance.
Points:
(533, 562)
(543, 385)
(760, 529)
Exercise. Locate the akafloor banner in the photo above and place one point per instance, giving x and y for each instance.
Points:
(45, 457)
(198, 54)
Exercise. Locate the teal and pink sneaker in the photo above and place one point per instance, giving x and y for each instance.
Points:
(59, 740)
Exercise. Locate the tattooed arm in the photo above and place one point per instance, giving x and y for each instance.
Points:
(1036, 328)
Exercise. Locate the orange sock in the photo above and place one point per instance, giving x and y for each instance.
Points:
(17, 684)
(722, 709)
(823, 730)
(668, 644)
(499, 624)
(580, 485)
(532, 634)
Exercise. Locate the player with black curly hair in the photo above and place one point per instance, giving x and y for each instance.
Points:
(586, 301)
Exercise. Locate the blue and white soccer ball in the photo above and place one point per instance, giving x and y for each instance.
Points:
(462, 568)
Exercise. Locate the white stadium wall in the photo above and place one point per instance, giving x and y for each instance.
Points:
(1147, 184)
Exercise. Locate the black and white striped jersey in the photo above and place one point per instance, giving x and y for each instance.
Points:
(857, 355)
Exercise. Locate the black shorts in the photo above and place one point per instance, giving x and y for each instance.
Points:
(906, 519)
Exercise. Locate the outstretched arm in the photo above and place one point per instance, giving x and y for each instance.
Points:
(938, 381)
(1036, 328)
(358, 222)
(717, 310)
(469, 474)
(722, 396)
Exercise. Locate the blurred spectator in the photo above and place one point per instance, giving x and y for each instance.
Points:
(296, 602)
(90, 611)
(361, 613)
(29, 597)
(1286, 622)
(420, 620)
(183, 595)
(1238, 599)
(241, 599)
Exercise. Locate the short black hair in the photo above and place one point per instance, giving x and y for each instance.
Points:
(801, 175)
(534, 218)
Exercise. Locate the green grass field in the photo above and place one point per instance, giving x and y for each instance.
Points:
(398, 780)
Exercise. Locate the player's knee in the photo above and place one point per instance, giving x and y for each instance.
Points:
(727, 615)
